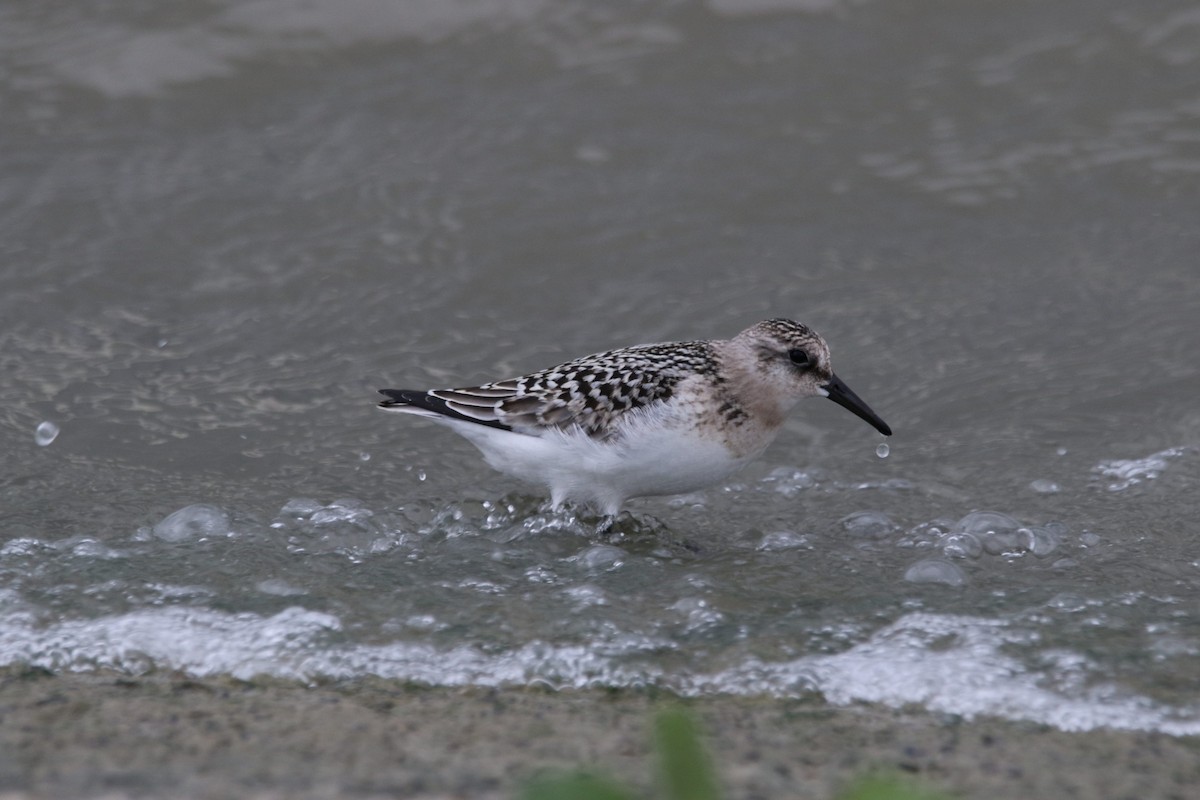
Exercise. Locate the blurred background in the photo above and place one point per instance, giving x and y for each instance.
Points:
(224, 225)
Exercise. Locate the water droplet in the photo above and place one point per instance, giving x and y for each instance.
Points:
(1043, 486)
(364, 456)
(883, 450)
(46, 433)
(421, 475)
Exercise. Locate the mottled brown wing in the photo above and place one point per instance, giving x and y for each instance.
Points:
(590, 392)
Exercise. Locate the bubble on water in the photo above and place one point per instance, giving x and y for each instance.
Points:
(1123, 473)
(422, 622)
(1067, 601)
(692, 500)
(788, 481)
(997, 543)
(962, 545)
(783, 540)
(934, 570)
(1037, 540)
(21, 546)
(191, 522)
(984, 532)
(698, 614)
(602, 557)
(1042, 486)
(882, 450)
(46, 433)
(980, 523)
(278, 588)
(421, 475)
(586, 595)
(364, 456)
(90, 548)
(869, 525)
(345, 509)
(301, 507)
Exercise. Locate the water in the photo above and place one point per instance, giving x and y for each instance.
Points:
(224, 227)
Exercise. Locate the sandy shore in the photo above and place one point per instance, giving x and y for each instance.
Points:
(112, 737)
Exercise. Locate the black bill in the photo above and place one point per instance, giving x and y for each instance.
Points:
(842, 394)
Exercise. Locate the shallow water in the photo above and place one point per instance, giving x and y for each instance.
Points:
(223, 228)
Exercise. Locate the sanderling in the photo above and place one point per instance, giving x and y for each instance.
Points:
(652, 419)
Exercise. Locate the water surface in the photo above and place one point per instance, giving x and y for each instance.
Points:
(223, 227)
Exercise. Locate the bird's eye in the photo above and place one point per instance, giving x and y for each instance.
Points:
(799, 358)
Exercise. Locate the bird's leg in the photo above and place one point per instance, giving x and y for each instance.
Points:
(605, 525)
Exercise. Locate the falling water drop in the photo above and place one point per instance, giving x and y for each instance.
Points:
(46, 433)
(883, 450)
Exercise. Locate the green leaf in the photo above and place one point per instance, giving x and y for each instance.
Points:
(686, 770)
(887, 787)
(575, 786)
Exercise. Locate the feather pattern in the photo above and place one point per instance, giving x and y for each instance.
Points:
(590, 393)
(644, 420)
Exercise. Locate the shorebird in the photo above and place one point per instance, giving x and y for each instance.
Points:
(652, 419)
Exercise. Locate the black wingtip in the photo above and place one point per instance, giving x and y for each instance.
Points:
(398, 397)
(428, 402)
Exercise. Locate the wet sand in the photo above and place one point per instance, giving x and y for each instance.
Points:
(114, 737)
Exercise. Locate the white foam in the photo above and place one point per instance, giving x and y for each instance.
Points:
(944, 663)
(1123, 473)
(958, 665)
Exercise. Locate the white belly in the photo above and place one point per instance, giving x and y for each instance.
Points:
(647, 459)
